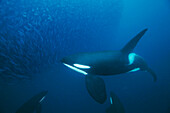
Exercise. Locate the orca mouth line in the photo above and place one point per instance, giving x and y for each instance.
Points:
(76, 69)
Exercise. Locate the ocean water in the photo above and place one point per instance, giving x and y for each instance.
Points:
(36, 34)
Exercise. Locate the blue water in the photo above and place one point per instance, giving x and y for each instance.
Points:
(35, 35)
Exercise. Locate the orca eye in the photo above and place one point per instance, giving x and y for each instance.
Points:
(81, 66)
(131, 58)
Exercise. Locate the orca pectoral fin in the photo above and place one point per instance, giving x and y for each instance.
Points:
(152, 73)
(38, 109)
(96, 88)
(128, 48)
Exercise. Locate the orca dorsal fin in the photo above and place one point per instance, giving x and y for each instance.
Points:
(128, 48)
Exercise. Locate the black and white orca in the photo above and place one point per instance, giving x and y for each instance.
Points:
(107, 63)
(116, 105)
(33, 105)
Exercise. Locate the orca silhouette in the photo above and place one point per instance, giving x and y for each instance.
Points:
(115, 105)
(107, 63)
(33, 105)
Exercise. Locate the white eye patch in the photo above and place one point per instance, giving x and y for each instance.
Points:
(111, 101)
(82, 66)
(42, 99)
(76, 69)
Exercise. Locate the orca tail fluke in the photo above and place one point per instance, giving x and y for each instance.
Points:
(133, 42)
(96, 88)
(153, 74)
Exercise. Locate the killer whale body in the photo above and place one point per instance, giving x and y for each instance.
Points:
(115, 105)
(33, 105)
(107, 63)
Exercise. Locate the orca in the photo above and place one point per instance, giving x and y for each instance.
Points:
(33, 105)
(107, 63)
(115, 105)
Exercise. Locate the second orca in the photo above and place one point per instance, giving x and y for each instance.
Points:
(33, 105)
(116, 105)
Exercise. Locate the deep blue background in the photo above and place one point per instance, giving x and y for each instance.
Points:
(37, 34)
